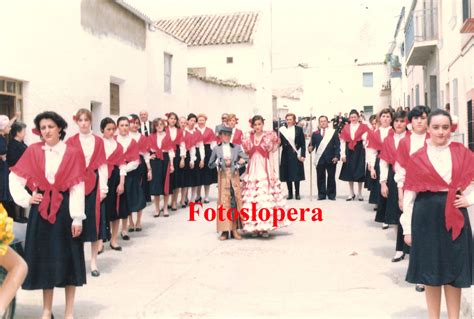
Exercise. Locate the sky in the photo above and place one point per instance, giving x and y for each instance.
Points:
(326, 35)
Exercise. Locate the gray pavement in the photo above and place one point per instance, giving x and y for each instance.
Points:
(339, 267)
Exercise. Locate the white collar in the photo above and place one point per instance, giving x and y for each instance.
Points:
(431, 146)
(58, 148)
(87, 135)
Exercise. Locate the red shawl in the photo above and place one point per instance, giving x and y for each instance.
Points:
(238, 136)
(71, 171)
(97, 160)
(132, 152)
(403, 151)
(208, 136)
(191, 139)
(421, 176)
(389, 151)
(142, 144)
(346, 135)
(117, 158)
(179, 136)
(375, 139)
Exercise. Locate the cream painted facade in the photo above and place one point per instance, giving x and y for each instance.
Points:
(439, 60)
(250, 65)
(67, 62)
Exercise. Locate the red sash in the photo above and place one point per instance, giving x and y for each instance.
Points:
(346, 135)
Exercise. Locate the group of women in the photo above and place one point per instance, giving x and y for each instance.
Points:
(93, 189)
(421, 183)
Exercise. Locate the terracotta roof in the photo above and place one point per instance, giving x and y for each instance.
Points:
(212, 29)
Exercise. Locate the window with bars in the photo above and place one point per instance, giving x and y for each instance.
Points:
(168, 58)
(114, 99)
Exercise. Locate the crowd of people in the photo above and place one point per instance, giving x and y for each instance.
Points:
(90, 188)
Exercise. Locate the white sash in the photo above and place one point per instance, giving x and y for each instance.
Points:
(284, 132)
(329, 133)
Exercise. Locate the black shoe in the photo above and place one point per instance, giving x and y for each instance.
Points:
(173, 209)
(183, 206)
(290, 197)
(118, 248)
(125, 237)
(420, 288)
(198, 200)
(332, 198)
(138, 229)
(131, 230)
(206, 201)
(385, 226)
(351, 198)
(95, 273)
(395, 260)
(169, 206)
(297, 197)
(321, 198)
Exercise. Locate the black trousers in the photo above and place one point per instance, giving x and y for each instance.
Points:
(326, 189)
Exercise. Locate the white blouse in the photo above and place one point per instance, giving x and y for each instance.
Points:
(53, 158)
(182, 147)
(88, 145)
(416, 142)
(125, 142)
(440, 158)
(384, 164)
(159, 141)
(110, 145)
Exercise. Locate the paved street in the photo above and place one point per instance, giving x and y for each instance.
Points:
(178, 269)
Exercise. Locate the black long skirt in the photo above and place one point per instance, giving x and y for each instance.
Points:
(388, 211)
(110, 205)
(368, 182)
(208, 175)
(159, 168)
(54, 258)
(144, 183)
(177, 177)
(435, 259)
(191, 176)
(135, 199)
(374, 197)
(90, 231)
(353, 170)
(291, 169)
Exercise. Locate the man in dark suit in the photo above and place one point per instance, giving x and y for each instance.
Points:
(146, 127)
(292, 155)
(327, 145)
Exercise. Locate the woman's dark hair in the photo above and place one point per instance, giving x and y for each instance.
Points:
(122, 118)
(56, 118)
(386, 111)
(176, 117)
(418, 111)
(192, 115)
(399, 115)
(372, 117)
(256, 118)
(440, 112)
(16, 128)
(106, 121)
(135, 117)
(354, 111)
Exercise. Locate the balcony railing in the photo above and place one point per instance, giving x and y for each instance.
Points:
(423, 26)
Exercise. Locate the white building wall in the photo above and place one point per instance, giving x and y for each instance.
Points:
(213, 100)
(251, 64)
(65, 67)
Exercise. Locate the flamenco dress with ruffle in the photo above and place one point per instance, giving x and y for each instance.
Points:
(260, 185)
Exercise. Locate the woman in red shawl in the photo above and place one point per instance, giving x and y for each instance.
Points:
(435, 221)
(352, 138)
(92, 147)
(53, 173)
(208, 175)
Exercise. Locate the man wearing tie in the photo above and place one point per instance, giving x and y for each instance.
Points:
(146, 128)
(327, 145)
